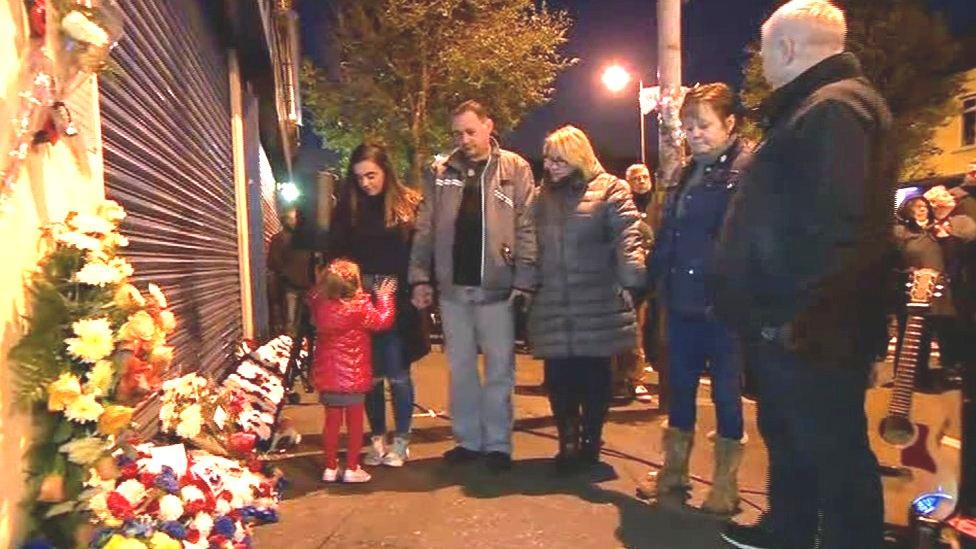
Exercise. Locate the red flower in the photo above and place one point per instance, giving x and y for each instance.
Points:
(192, 535)
(195, 506)
(119, 506)
(129, 471)
(217, 540)
(147, 479)
(226, 496)
(240, 546)
(255, 465)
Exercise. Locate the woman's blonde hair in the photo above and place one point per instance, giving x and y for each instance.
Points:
(571, 145)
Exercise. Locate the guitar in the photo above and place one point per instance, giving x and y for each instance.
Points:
(910, 432)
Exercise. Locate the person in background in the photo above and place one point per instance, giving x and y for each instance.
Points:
(290, 270)
(628, 367)
(680, 268)
(591, 272)
(476, 242)
(799, 273)
(373, 225)
(345, 317)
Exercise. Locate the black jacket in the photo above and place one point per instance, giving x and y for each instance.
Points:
(806, 245)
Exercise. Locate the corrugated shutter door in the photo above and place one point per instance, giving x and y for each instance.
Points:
(168, 161)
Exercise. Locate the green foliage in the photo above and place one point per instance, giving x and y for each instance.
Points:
(909, 54)
(403, 64)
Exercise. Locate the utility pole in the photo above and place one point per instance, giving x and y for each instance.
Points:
(669, 78)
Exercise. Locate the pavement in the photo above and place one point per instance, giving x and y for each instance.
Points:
(429, 504)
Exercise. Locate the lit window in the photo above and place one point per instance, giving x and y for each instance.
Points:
(969, 121)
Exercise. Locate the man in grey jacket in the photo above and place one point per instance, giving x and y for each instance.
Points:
(476, 243)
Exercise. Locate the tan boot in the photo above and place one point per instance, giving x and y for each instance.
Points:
(723, 498)
(677, 450)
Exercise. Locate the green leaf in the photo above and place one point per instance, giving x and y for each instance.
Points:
(61, 508)
(63, 432)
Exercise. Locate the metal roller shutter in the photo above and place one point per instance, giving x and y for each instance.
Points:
(168, 161)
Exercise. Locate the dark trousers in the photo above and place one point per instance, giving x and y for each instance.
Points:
(697, 344)
(580, 387)
(812, 420)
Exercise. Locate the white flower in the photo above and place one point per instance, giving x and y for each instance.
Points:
(191, 493)
(91, 224)
(100, 378)
(157, 295)
(79, 27)
(111, 211)
(222, 507)
(99, 505)
(239, 532)
(79, 241)
(203, 523)
(122, 266)
(191, 421)
(95, 340)
(170, 507)
(84, 451)
(167, 414)
(132, 490)
(100, 274)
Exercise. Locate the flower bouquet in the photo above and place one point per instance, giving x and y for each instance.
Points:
(90, 337)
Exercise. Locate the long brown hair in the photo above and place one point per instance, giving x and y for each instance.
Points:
(399, 201)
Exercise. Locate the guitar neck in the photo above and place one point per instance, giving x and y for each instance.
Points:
(905, 365)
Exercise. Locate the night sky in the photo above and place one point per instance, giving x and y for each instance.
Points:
(715, 33)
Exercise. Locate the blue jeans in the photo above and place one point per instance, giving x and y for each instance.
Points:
(390, 364)
(694, 344)
(481, 411)
(812, 420)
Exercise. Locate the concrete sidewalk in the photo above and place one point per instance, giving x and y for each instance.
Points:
(428, 504)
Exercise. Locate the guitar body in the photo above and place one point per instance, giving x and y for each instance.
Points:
(929, 466)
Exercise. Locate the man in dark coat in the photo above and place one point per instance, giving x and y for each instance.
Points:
(798, 267)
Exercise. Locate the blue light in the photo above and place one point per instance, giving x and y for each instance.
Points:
(926, 504)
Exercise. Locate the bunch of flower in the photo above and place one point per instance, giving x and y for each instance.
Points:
(92, 345)
(185, 400)
(164, 497)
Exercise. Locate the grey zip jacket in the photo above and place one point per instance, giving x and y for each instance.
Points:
(508, 237)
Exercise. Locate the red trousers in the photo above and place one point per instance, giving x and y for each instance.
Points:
(354, 415)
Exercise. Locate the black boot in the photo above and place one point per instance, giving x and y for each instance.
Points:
(569, 444)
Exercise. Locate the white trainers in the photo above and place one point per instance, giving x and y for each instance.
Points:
(330, 475)
(398, 454)
(355, 475)
(375, 451)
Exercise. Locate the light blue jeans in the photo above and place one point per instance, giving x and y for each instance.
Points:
(481, 411)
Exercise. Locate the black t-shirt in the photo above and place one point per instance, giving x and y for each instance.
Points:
(468, 237)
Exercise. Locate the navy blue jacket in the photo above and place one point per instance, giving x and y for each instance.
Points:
(685, 244)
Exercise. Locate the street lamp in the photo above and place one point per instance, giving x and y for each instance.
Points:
(289, 191)
(616, 78)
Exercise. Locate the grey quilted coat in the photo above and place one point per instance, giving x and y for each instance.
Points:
(589, 252)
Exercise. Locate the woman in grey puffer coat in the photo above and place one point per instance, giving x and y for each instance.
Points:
(591, 267)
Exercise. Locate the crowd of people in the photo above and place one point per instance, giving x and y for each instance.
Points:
(767, 258)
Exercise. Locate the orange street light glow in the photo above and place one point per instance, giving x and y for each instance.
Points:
(615, 78)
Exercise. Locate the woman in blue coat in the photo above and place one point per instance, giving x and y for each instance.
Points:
(679, 267)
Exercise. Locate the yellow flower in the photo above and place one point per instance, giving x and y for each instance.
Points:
(161, 357)
(129, 297)
(158, 296)
(120, 542)
(160, 540)
(122, 267)
(84, 409)
(111, 211)
(139, 326)
(94, 341)
(167, 321)
(62, 392)
(114, 419)
(115, 240)
(100, 378)
(84, 451)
